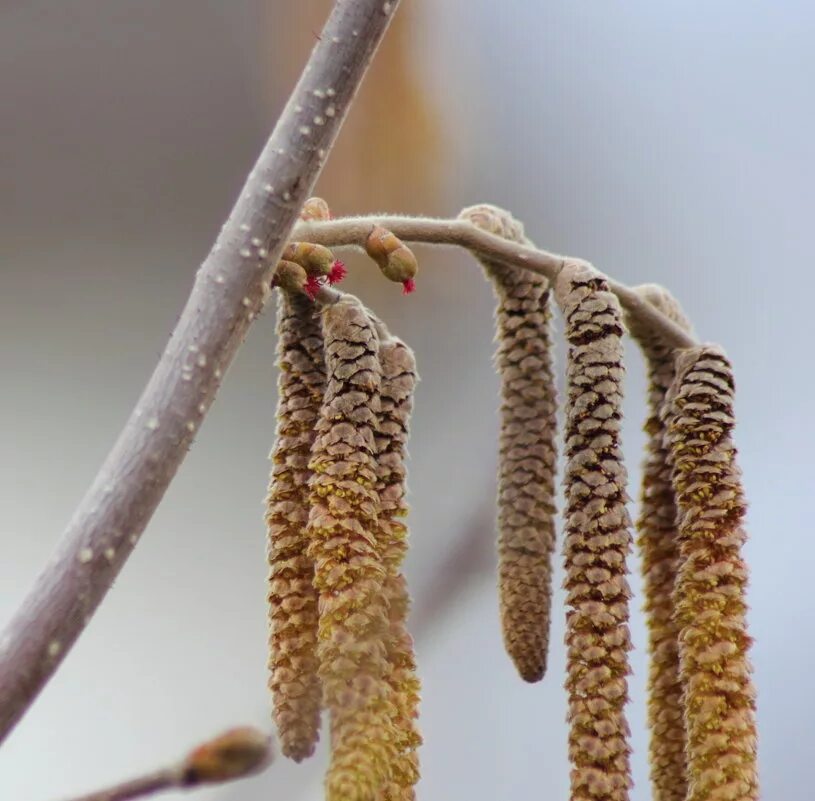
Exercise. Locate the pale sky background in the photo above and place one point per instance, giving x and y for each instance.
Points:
(670, 142)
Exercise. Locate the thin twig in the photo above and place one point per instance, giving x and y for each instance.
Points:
(229, 291)
(140, 787)
(235, 754)
(353, 231)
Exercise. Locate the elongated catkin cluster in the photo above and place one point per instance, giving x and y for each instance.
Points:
(709, 597)
(337, 537)
(597, 539)
(527, 453)
(293, 663)
(349, 570)
(659, 548)
(398, 385)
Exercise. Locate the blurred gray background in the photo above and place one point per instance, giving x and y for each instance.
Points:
(669, 142)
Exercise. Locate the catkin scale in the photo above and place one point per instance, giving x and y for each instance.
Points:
(349, 569)
(527, 453)
(658, 544)
(398, 385)
(709, 596)
(597, 539)
(294, 680)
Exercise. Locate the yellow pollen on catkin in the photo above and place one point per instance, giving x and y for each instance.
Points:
(293, 679)
(349, 570)
(597, 539)
(659, 549)
(398, 384)
(709, 595)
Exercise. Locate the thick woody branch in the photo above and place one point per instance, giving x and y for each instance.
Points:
(229, 291)
(235, 754)
(353, 231)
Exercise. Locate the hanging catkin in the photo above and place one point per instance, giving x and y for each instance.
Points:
(527, 452)
(709, 597)
(398, 385)
(292, 599)
(349, 570)
(597, 539)
(659, 549)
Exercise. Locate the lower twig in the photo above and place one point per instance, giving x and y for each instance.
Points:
(234, 754)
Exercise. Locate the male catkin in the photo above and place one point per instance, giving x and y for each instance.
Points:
(597, 538)
(398, 385)
(709, 597)
(292, 598)
(527, 453)
(349, 569)
(659, 549)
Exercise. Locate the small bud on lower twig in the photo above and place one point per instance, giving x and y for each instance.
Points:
(234, 754)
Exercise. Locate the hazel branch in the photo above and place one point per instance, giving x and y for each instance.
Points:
(234, 754)
(230, 289)
(354, 232)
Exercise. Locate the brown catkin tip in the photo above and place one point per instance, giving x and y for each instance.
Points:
(349, 569)
(398, 385)
(294, 680)
(659, 548)
(709, 597)
(527, 452)
(597, 538)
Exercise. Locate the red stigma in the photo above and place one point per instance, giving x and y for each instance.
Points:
(408, 286)
(312, 286)
(337, 273)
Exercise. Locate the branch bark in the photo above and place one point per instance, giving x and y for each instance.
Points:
(230, 288)
(353, 231)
